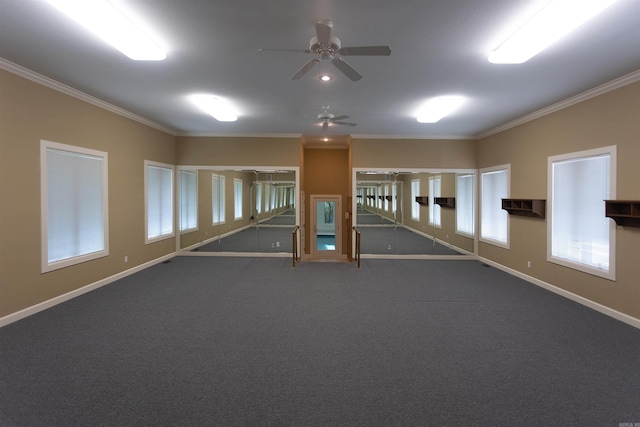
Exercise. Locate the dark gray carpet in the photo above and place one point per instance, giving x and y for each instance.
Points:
(252, 341)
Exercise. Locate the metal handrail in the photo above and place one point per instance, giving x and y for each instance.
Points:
(357, 254)
(295, 244)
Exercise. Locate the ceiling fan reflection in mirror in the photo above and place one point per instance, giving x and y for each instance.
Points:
(327, 118)
(327, 47)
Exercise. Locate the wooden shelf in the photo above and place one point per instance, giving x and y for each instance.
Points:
(422, 200)
(533, 208)
(624, 212)
(445, 202)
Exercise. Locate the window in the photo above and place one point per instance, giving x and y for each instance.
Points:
(188, 200)
(267, 197)
(259, 197)
(435, 183)
(159, 200)
(415, 206)
(274, 193)
(217, 199)
(74, 205)
(579, 234)
(394, 197)
(385, 196)
(494, 221)
(465, 211)
(237, 198)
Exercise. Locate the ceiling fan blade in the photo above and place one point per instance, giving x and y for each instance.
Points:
(269, 49)
(325, 126)
(365, 51)
(323, 31)
(343, 123)
(338, 118)
(346, 69)
(306, 67)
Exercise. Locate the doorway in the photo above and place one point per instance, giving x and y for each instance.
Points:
(326, 233)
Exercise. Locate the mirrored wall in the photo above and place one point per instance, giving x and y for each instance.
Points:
(415, 212)
(237, 210)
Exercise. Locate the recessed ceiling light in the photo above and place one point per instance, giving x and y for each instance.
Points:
(325, 77)
(436, 108)
(102, 19)
(554, 21)
(325, 139)
(215, 106)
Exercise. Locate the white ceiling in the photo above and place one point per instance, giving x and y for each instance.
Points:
(439, 47)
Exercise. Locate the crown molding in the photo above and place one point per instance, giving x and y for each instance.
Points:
(67, 90)
(584, 96)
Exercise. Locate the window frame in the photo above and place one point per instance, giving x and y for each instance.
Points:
(462, 204)
(47, 266)
(220, 186)
(481, 237)
(180, 200)
(611, 151)
(435, 211)
(415, 206)
(172, 233)
(237, 200)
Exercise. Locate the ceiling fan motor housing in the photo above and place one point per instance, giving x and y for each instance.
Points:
(325, 51)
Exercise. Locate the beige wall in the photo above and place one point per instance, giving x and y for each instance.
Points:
(414, 153)
(222, 151)
(30, 112)
(609, 119)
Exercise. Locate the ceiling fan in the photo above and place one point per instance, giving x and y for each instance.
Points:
(327, 47)
(327, 118)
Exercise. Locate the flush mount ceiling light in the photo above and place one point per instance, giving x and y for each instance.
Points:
(219, 108)
(437, 108)
(105, 21)
(555, 20)
(325, 77)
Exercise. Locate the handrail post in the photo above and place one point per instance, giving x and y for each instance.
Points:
(357, 245)
(295, 244)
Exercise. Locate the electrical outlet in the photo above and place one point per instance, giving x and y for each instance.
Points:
(126, 258)
(529, 264)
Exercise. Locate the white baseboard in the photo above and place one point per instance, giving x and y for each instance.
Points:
(562, 292)
(14, 317)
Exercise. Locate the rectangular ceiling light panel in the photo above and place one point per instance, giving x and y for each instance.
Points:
(437, 108)
(556, 19)
(105, 21)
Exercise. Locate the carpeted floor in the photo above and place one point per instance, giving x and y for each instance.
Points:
(251, 341)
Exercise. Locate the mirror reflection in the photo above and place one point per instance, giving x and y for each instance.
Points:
(416, 212)
(236, 210)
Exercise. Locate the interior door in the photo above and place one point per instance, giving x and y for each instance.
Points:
(326, 233)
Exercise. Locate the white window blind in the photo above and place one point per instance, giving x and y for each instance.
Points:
(259, 197)
(435, 185)
(267, 198)
(415, 206)
(159, 200)
(188, 200)
(465, 211)
(217, 193)
(580, 233)
(494, 220)
(237, 198)
(74, 205)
